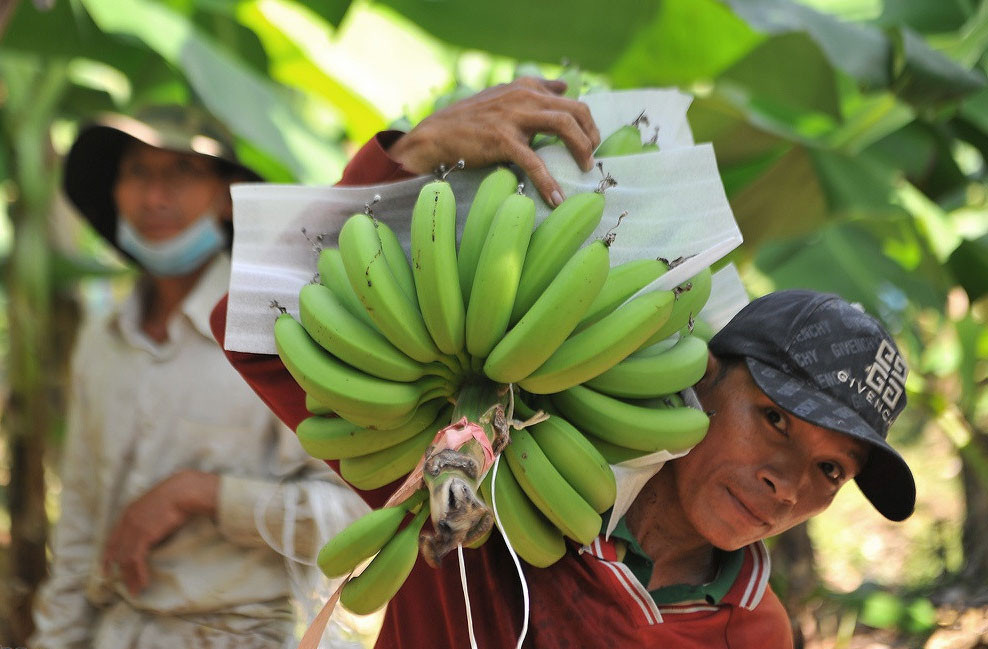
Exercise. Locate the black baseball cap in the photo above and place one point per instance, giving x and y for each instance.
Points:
(829, 363)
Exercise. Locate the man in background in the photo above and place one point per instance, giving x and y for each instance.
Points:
(189, 515)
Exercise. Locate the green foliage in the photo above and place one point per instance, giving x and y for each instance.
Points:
(585, 32)
(969, 263)
(884, 610)
(853, 152)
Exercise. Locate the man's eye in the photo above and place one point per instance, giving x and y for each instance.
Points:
(775, 418)
(133, 170)
(833, 471)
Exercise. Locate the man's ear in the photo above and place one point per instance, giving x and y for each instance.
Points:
(224, 204)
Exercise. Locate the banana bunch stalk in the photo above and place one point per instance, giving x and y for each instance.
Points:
(398, 353)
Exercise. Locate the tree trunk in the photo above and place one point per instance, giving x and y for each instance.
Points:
(794, 574)
(30, 416)
(975, 535)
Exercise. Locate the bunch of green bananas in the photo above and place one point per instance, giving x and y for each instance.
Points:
(385, 343)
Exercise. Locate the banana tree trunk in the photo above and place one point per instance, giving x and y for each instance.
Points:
(30, 415)
(975, 534)
(794, 573)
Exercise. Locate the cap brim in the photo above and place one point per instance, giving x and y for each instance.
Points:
(885, 479)
(89, 174)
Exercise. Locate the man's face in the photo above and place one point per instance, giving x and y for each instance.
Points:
(760, 470)
(161, 192)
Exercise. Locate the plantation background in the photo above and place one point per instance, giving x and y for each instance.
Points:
(851, 136)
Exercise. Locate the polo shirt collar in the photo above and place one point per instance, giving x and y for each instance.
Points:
(715, 592)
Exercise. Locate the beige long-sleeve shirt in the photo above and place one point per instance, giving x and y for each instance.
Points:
(141, 411)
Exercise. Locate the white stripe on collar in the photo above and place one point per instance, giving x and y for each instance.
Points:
(759, 576)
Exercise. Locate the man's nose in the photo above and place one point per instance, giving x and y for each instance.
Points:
(156, 193)
(783, 481)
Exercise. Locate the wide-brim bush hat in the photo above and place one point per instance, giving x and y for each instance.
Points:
(90, 170)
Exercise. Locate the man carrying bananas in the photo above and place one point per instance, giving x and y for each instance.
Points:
(800, 389)
(188, 513)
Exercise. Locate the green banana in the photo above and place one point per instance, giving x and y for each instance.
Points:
(382, 467)
(554, 242)
(573, 78)
(397, 261)
(354, 395)
(367, 270)
(551, 319)
(692, 295)
(626, 140)
(653, 142)
(652, 375)
(634, 426)
(496, 186)
(623, 281)
(549, 490)
(602, 345)
(498, 270)
(364, 537)
(536, 540)
(584, 468)
(703, 330)
(437, 281)
(332, 275)
(333, 438)
(316, 408)
(350, 339)
(613, 453)
(384, 575)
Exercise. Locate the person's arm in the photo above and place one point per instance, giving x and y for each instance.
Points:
(63, 617)
(294, 515)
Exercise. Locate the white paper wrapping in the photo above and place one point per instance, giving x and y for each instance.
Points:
(674, 198)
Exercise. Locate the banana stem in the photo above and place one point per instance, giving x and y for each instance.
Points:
(459, 515)
(476, 397)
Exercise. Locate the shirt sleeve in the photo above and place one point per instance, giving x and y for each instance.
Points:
(266, 374)
(294, 514)
(63, 617)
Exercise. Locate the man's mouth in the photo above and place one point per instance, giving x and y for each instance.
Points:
(748, 512)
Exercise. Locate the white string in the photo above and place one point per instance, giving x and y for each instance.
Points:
(511, 550)
(466, 597)
(260, 507)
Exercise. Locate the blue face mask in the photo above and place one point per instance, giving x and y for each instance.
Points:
(182, 254)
